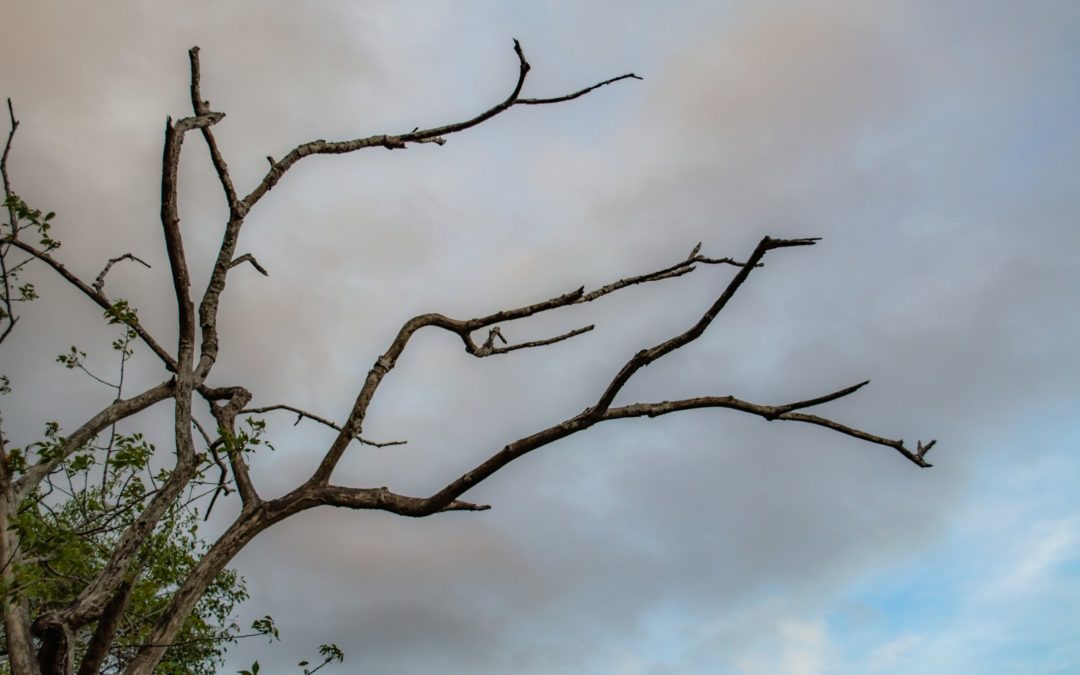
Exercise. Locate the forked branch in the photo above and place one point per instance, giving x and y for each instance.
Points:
(602, 410)
(465, 328)
(103, 598)
(431, 135)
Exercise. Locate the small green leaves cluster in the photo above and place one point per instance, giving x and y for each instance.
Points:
(20, 217)
(330, 653)
(121, 312)
(33, 219)
(248, 439)
(42, 451)
(68, 528)
(72, 359)
(266, 626)
(123, 344)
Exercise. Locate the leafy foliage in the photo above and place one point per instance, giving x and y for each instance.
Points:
(68, 527)
(67, 532)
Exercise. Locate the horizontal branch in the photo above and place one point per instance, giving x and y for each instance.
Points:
(382, 499)
(301, 414)
(489, 348)
(768, 412)
(576, 94)
(400, 141)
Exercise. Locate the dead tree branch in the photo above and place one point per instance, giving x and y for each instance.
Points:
(99, 282)
(10, 319)
(301, 414)
(104, 597)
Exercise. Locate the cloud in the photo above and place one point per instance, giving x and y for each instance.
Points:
(931, 147)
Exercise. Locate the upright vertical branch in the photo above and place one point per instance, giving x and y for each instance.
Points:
(208, 307)
(201, 108)
(174, 243)
(9, 318)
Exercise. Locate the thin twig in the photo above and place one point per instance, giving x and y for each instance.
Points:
(301, 414)
(248, 258)
(99, 282)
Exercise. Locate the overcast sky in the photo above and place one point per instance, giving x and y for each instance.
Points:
(934, 147)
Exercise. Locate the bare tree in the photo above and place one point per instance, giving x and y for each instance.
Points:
(43, 643)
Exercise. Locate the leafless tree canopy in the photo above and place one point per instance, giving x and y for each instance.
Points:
(43, 643)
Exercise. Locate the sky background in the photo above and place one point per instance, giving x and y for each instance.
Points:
(934, 147)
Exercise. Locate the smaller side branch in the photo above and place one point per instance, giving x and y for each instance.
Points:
(201, 108)
(772, 412)
(677, 270)
(301, 414)
(223, 476)
(576, 94)
(248, 258)
(811, 402)
(489, 348)
(99, 282)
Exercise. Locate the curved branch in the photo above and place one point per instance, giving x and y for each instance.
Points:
(99, 282)
(602, 411)
(225, 414)
(239, 208)
(400, 141)
(248, 258)
(464, 329)
(781, 412)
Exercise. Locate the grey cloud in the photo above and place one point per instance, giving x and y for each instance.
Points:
(891, 130)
